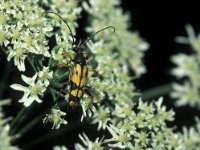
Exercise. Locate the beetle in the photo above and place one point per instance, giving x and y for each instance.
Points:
(79, 70)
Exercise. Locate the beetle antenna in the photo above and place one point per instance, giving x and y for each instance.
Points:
(92, 36)
(66, 24)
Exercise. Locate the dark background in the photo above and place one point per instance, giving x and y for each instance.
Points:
(158, 24)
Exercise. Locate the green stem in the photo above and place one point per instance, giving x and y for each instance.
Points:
(50, 135)
(3, 50)
(30, 125)
(21, 116)
(4, 79)
(27, 128)
(157, 91)
(54, 92)
(17, 121)
(31, 63)
(49, 63)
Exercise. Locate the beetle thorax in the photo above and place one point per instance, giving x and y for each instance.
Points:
(79, 58)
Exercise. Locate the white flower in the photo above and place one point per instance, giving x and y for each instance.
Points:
(55, 118)
(58, 55)
(89, 145)
(185, 94)
(32, 92)
(190, 137)
(63, 44)
(146, 108)
(186, 65)
(45, 75)
(4, 121)
(24, 27)
(3, 39)
(192, 39)
(5, 137)
(119, 136)
(133, 46)
(19, 55)
(128, 125)
(87, 107)
(59, 148)
(142, 138)
(4, 102)
(163, 114)
(123, 112)
(101, 116)
(69, 10)
(188, 70)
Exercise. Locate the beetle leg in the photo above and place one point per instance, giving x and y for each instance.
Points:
(87, 91)
(92, 69)
(63, 65)
(95, 73)
(65, 53)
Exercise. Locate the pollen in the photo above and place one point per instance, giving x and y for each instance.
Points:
(2, 37)
(36, 89)
(16, 34)
(28, 41)
(19, 52)
(3, 19)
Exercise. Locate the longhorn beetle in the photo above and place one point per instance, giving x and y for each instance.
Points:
(79, 70)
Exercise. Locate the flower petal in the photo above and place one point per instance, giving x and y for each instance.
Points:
(36, 98)
(28, 102)
(19, 87)
(24, 98)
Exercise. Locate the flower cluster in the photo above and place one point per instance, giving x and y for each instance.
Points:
(142, 128)
(36, 87)
(132, 126)
(55, 118)
(191, 136)
(26, 27)
(187, 92)
(112, 53)
(29, 28)
(119, 49)
(68, 10)
(88, 144)
(23, 30)
(5, 138)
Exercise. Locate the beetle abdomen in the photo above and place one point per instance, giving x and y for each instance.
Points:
(77, 83)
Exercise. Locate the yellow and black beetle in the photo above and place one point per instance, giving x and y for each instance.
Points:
(79, 70)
